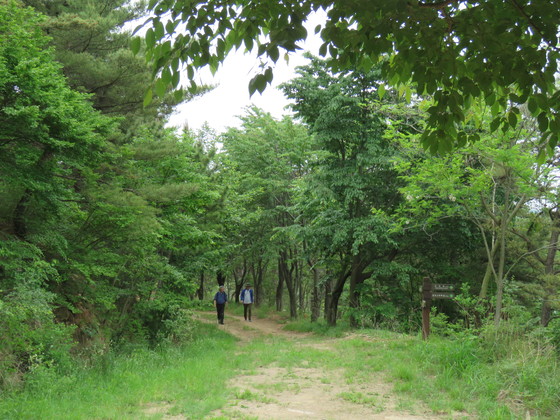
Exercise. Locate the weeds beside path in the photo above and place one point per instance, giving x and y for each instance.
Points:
(260, 370)
(291, 375)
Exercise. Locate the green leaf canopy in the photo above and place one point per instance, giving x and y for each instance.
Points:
(504, 51)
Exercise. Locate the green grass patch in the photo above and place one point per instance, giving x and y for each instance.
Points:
(360, 398)
(131, 386)
(458, 375)
(464, 374)
(320, 328)
(248, 395)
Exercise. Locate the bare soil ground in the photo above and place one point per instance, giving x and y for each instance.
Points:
(272, 392)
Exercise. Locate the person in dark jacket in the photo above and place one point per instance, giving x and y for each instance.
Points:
(220, 300)
(247, 298)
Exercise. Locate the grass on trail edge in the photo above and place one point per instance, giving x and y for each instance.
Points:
(462, 377)
(190, 380)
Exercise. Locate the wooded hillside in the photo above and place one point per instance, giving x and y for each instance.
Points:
(113, 226)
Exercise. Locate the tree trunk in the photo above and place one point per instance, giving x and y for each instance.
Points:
(356, 279)
(331, 313)
(489, 269)
(279, 288)
(549, 289)
(328, 297)
(501, 262)
(200, 291)
(301, 289)
(288, 275)
(239, 276)
(221, 278)
(258, 278)
(315, 297)
(500, 279)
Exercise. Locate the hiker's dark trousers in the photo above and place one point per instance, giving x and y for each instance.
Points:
(220, 308)
(247, 311)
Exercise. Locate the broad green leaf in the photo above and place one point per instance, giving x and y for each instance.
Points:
(170, 26)
(213, 66)
(159, 30)
(532, 105)
(160, 87)
(257, 83)
(381, 91)
(135, 44)
(495, 124)
(176, 78)
(252, 86)
(408, 94)
(179, 95)
(166, 76)
(150, 38)
(274, 54)
(268, 75)
(148, 97)
(512, 119)
(542, 120)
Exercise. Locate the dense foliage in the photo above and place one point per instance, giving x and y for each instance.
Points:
(457, 51)
(99, 210)
(112, 226)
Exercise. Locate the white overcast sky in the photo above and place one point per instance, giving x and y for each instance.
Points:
(221, 107)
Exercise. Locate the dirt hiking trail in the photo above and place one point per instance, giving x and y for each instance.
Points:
(273, 392)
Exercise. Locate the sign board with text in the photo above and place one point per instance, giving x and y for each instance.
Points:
(442, 287)
(442, 295)
(429, 292)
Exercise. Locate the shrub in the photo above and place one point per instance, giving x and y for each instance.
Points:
(31, 339)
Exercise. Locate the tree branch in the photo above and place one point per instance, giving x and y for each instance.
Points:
(527, 17)
(437, 4)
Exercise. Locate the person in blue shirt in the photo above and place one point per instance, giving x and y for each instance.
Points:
(247, 298)
(220, 300)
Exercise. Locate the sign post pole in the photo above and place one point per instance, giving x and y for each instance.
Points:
(432, 291)
(426, 305)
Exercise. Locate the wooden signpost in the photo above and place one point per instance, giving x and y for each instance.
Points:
(432, 291)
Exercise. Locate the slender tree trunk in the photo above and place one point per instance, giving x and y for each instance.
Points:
(301, 289)
(279, 288)
(500, 280)
(200, 291)
(490, 254)
(549, 289)
(239, 276)
(288, 275)
(258, 278)
(221, 278)
(315, 297)
(328, 297)
(501, 262)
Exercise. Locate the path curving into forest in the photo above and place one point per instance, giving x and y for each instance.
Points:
(245, 331)
(306, 392)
